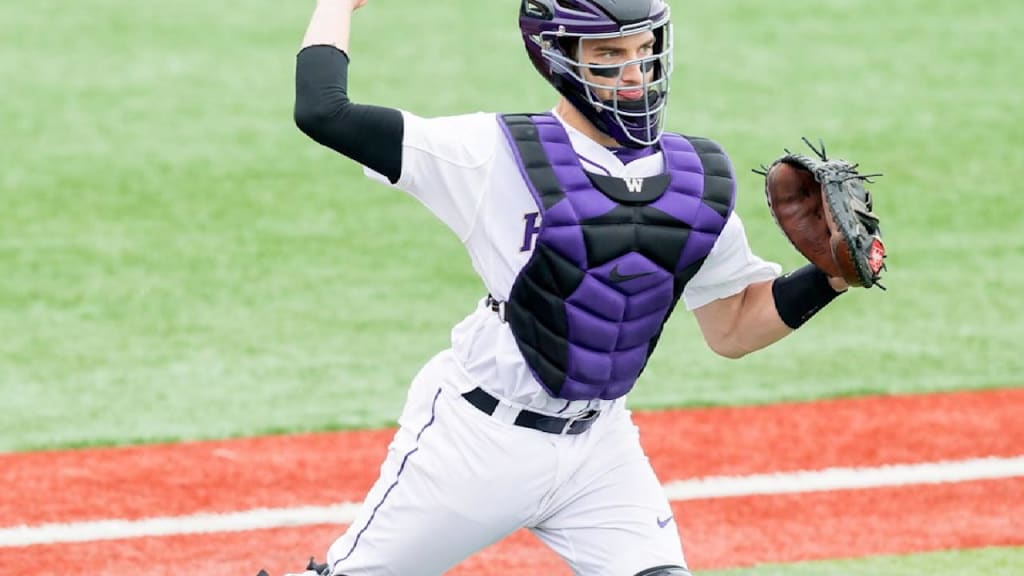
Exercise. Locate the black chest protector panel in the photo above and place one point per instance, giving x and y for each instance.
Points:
(612, 256)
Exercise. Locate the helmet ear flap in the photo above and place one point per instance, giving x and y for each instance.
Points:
(569, 47)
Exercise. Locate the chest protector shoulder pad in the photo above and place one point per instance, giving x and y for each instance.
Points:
(611, 258)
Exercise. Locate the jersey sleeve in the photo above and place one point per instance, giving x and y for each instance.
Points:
(729, 268)
(446, 164)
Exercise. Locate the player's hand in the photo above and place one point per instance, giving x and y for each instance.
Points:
(838, 284)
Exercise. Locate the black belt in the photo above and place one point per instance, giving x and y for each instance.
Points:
(550, 424)
(497, 306)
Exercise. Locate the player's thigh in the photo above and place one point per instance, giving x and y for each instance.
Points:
(613, 518)
(447, 489)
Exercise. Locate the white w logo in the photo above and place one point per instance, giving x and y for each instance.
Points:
(634, 185)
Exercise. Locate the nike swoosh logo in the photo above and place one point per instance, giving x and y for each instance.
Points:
(615, 276)
(663, 523)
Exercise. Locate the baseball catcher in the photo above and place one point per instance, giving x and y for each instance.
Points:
(589, 224)
(823, 208)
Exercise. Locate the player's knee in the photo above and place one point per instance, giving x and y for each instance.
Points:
(667, 570)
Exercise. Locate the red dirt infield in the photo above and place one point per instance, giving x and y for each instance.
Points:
(280, 472)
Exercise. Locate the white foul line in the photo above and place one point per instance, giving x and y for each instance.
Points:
(695, 489)
(257, 519)
(845, 478)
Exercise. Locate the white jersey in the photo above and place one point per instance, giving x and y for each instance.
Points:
(462, 168)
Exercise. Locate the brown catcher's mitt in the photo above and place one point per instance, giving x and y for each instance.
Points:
(822, 206)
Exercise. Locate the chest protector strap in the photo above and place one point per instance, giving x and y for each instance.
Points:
(611, 258)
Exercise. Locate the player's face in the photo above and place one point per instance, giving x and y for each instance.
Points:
(614, 62)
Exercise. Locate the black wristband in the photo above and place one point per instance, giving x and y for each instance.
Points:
(801, 293)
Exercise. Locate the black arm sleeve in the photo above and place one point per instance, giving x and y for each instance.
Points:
(370, 135)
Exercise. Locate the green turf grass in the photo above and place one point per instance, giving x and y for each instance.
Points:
(178, 261)
(981, 562)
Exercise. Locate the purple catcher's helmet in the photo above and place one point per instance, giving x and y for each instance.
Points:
(554, 30)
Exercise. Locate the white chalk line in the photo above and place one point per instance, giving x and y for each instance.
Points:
(829, 479)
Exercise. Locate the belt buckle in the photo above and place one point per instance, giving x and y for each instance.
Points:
(498, 307)
(587, 416)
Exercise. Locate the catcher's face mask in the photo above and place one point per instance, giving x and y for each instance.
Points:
(622, 76)
(624, 94)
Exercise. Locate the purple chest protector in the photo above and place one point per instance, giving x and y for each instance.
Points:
(611, 258)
